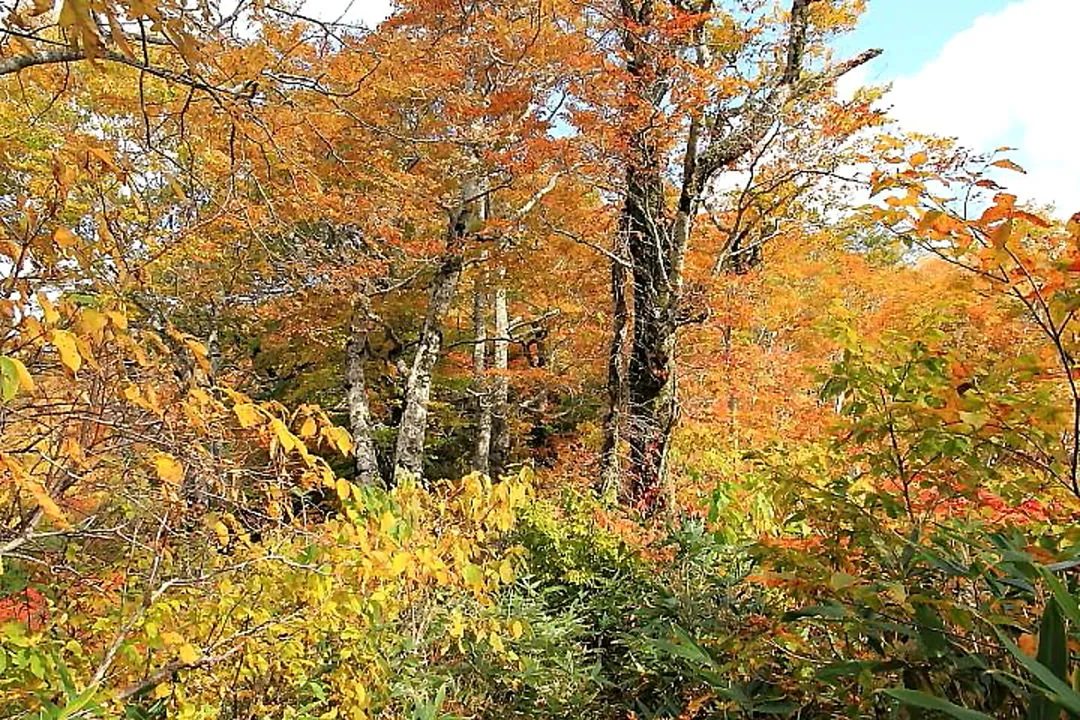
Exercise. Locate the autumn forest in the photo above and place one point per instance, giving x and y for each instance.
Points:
(559, 359)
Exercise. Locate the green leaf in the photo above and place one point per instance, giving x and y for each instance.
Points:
(820, 611)
(1054, 655)
(1065, 600)
(930, 630)
(1051, 685)
(685, 648)
(9, 379)
(923, 700)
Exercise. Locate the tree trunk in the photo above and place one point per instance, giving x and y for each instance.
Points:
(366, 460)
(610, 481)
(409, 450)
(483, 387)
(500, 444)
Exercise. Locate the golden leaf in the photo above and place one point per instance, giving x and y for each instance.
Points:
(65, 238)
(36, 490)
(1009, 165)
(92, 323)
(199, 351)
(286, 439)
(68, 349)
(189, 654)
(247, 414)
(48, 309)
(169, 469)
(13, 375)
(506, 571)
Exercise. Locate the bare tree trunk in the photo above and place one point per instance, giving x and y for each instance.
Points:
(409, 449)
(610, 480)
(366, 460)
(500, 444)
(483, 387)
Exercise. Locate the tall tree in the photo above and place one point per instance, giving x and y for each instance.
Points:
(665, 46)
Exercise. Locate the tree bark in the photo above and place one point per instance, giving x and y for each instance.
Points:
(409, 449)
(500, 443)
(656, 240)
(482, 448)
(610, 465)
(366, 460)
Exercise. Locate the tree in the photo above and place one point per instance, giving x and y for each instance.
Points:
(668, 49)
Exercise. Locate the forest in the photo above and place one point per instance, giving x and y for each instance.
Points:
(556, 359)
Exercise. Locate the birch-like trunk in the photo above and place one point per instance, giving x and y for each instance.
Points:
(366, 460)
(409, 449)
(482, 449)
(500, 443)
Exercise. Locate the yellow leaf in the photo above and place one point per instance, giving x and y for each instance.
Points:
(36, 490)
(286, 439)
(199, 351)
(65, 238)
(171, 638)
(92, 323)
(457, 624)
(82, 344)
(387, 522)
(516, 629)
(506, 571)
(247, 414)
(25, 381)
(308, 428)
(169, 468)
(1009, 165)
(162, 691)
(13, 375)
(48, 309)
(918, 159)
(343, 488)
(119, 319)
(496, 643)
(189, 655)
(221, 530)
(399, 562)
(46, 503)
(339, 437)
(68, 349)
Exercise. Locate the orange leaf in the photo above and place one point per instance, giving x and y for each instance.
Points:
(1009, 165)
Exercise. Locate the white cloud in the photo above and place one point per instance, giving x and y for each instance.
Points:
(1008, 80)
(362, 12)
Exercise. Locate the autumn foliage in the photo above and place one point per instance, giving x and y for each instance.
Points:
(519, 360)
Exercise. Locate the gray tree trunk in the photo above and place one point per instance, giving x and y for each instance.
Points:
(482, 383)
(610, 465)
(500, 443)
(366, 461)
(409, 449)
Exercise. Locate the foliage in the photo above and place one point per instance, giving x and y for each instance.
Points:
(234, 253)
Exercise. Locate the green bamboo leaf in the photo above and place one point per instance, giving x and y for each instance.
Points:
(1054, 655)
(925, 701)
(1065, 600)
(1052, 686)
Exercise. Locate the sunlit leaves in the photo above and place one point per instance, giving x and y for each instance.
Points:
(67, 347)
(13, 377)
(169, 469)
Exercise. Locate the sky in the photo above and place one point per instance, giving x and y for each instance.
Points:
(991, 73)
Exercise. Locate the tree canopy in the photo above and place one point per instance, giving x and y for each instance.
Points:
(517, 359)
